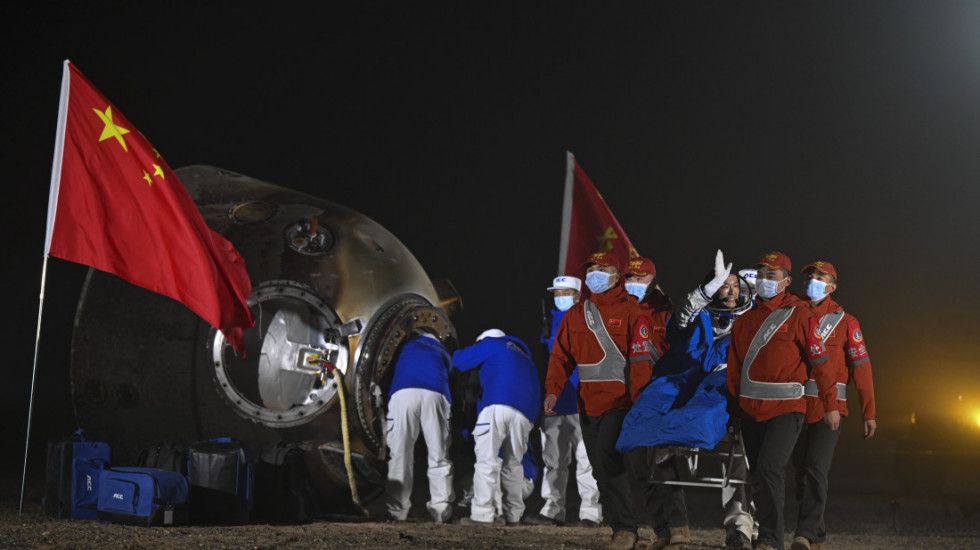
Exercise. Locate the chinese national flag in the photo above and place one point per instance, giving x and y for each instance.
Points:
(587, 224)
(116, 206)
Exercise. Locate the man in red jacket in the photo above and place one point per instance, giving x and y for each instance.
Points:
(608, 338)
(659, 508)
(768, 360)
(847, 357)
(641, 283)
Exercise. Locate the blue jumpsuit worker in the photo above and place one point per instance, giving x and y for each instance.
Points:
(419, 401)
(507, 410)
(561, 434)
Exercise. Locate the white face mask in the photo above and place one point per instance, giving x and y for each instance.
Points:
(767, 289)
(564, 302)
(637, 289)
(598, 281)
(816, 290)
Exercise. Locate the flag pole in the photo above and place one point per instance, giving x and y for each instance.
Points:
(30, 407)
(59, 149)
(566, 212)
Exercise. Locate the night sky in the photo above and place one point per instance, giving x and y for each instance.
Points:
(846, 132)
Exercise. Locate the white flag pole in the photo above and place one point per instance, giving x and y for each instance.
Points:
(59, 149)
(30, 407)
(59, 152)
(566, 212)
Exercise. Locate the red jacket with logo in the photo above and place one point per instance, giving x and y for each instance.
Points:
(847, 355)
(658, 313)
(575, 345)
(784, 359)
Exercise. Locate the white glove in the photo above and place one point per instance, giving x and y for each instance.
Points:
(722, 272)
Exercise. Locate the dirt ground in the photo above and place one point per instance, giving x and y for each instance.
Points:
(855, 522)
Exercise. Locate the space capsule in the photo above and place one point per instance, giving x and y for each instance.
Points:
(329, 285)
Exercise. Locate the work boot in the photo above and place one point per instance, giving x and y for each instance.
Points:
(645, 533)
(622, 540)
(680, 535)
(659, 544)
(800, 543)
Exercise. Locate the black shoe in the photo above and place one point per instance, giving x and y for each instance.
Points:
(538, 519)
(589, 524)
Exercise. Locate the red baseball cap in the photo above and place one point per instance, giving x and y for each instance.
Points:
(641, 267)
(822, 267)
(604, 259)
(775, 260)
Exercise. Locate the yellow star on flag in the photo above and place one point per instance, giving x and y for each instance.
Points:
(605, 240)
(111, 129)
(157, 171)
(149, 180)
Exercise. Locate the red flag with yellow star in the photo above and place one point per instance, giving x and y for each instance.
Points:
(116, 206)
(587, 224)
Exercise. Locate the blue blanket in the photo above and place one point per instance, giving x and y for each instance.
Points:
(686, 403)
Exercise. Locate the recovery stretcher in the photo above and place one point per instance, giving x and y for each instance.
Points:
(720, 467)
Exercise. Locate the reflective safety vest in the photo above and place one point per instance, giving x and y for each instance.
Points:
(612, 367)
(768, 391)
(827, 325)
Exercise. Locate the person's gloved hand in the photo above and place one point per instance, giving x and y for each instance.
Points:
(722, 272)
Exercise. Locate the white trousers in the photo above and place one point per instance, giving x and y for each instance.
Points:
(499, 430)
(410, 411)
(736, 499)
(561, 436)
(467, 489)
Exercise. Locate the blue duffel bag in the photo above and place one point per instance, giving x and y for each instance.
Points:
(143, 496)
(72, 472)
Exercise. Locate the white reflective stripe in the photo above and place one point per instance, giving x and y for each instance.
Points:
(828, 323)
(612, 367)
(768, 391)
(810, 388)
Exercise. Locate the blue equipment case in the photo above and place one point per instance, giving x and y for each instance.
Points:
(71, 488)
(143, 496)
